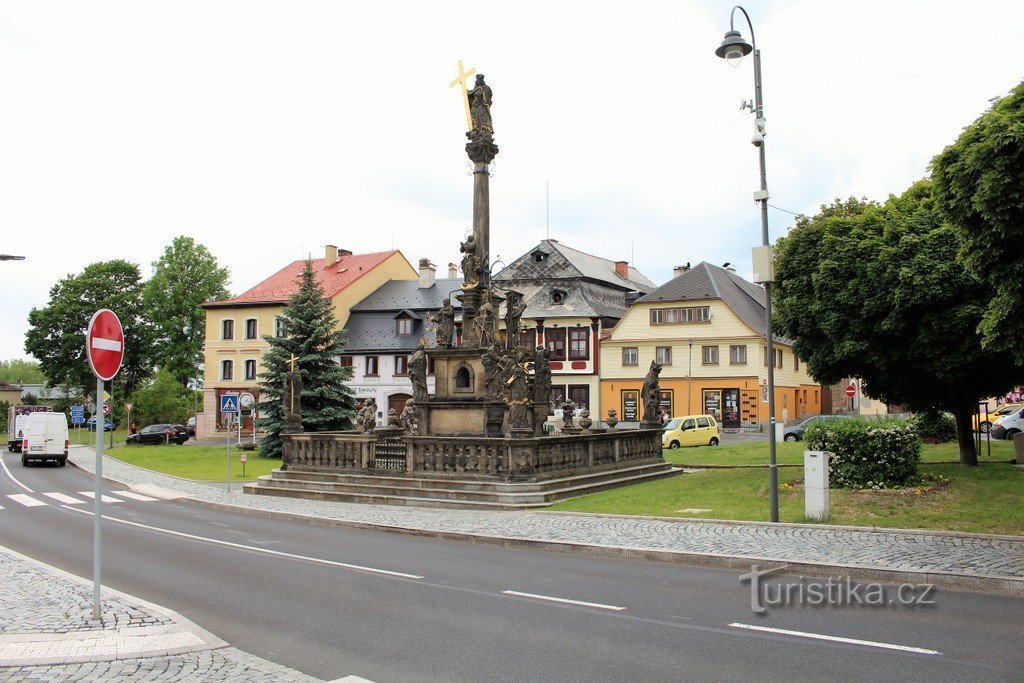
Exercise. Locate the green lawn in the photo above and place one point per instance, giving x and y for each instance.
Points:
(202, 463)
(983, 499)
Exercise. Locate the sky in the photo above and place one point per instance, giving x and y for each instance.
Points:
(266, 130)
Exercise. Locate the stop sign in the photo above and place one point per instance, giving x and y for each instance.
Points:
(104, 344)
(851, 390)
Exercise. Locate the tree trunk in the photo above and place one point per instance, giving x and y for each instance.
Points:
(965, 435)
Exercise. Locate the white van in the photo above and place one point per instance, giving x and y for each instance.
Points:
(46, 438)
(1008, 425)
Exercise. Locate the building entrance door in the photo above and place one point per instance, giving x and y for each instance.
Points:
(731, 408)
(397, 401)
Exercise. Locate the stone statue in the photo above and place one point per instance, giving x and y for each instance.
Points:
(418, 373)
(469, 262)
(516, 308)
(613, 418)
(358, 422)
(369, 416)
(585, 420)
(492, 371)
(485, 319)
(392, 418)
(652, 394)
(518, 398)
(410, 418)
(446, 325)
(292, 400)
(542, 376)
(480, 106)
(568, 413)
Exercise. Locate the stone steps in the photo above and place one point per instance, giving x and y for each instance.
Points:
(440, 491)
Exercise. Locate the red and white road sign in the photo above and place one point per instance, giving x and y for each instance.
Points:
(851, 390)
(104, 344)
(128, 407)
(244, 459)
(106, 409)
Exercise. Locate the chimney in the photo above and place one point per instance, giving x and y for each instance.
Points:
(330, 255)
(678, 270)
(427, 275)
(631, 298)
(453, 271)
(622, 269)
(342, 253)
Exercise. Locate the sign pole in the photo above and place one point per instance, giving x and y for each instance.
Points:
(97, 502)
(229, 452)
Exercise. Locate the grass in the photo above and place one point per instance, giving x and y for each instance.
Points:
(983, 499)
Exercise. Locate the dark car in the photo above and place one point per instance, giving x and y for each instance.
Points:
(796, 432)
(159, 433)
(190, 426)
(108, 424)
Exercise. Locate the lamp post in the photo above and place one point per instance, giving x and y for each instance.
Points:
(732, 50)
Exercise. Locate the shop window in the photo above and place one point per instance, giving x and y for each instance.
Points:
(580, 395)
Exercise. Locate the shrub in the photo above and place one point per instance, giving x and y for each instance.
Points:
(872, 454)
(935, 427)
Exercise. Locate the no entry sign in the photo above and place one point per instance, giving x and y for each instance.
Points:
(851, 390)
(104, 344)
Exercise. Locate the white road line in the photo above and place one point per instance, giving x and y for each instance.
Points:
(135, 496)
(265, 551)
(60, 497)
(27, 501)
(563, 600)
(105, 498)
(838, 639)
(11, 476)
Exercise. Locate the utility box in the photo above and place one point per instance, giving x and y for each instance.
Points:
(816, 484)
(764, 264)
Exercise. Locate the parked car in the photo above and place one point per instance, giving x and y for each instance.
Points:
(691, 430)
(1008, 425)
(159, 433)
(108, 424)
(46, 438)
(190, 426)
(796, 432)
(981, 424)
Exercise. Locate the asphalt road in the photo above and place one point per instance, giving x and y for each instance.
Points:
(332, 602)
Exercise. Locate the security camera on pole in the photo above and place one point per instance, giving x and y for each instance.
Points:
(104, 346)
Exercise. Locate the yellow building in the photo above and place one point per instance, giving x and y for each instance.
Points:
(705, 327)
(234, 327)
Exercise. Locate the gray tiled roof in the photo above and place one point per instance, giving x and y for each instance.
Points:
(705, 281)
(376, 332)
(566, 263)
(371, 324)
(398, 295)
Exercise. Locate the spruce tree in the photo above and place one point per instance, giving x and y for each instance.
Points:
(311, 336)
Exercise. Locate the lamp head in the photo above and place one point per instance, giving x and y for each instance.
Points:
(733, 48)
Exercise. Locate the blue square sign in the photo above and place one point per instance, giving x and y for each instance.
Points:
(229, 403)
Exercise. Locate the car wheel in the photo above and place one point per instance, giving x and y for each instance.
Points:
(674, 445)
(24, 460)
(1010, 433)
(62, 463)
(985, 427)
(791, 437)
(714, 441)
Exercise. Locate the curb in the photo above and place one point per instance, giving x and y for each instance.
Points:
(975, 582)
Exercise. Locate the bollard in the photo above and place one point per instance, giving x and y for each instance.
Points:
(1018, 447)
(816, 485)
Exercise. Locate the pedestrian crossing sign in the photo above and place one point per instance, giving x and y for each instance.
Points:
(229, 403)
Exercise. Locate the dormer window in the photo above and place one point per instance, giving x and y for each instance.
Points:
(558, 296)
(539, 256)
(404, 326)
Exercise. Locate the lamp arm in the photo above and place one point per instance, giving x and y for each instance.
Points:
(732, 27)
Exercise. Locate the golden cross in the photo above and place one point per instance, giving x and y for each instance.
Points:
(462, 77)
(292, 361)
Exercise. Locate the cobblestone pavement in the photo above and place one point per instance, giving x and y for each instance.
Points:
(935, 554)
(47, 634)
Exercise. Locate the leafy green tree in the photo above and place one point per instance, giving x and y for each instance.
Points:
(184, 278)
(875, 291)
(979, 185)
(56, 335)
(17, 371)
(327, 403)
(4, 407)
(163, 399)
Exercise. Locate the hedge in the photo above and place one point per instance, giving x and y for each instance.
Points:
(867, 454)
(935, 427)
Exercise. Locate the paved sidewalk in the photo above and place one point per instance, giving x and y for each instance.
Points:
(973, 561)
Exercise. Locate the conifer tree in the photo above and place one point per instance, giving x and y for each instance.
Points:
(311, 336)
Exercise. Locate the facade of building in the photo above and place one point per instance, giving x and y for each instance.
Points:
(383, 330)
(10, 393)
(234, 346)
(571, 299)
(705, 327)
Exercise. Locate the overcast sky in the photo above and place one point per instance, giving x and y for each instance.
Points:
(268, 129)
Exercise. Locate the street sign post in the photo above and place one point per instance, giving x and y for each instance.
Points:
(104, 347)
(246, 402)
(229, 409)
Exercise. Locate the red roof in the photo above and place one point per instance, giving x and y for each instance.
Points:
(280, 286)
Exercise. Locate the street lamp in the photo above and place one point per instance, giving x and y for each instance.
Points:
(8, 257)
(733, 49)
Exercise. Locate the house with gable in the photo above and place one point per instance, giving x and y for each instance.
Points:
(706, 328)
(234, 346)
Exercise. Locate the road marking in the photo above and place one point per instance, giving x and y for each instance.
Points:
(27, 501)
(60, 497)
(104, 498)
(838, 639)
(2, 462)
(563, 600)
(265, 551)
(135, 496)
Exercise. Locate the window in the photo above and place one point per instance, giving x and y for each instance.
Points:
(528, 339)
(675, 316)
(558, 296)
(778, 358)
(463, 379)
(401, 365)
(710, 355)
(227, 369)
(227, 329)
(663, 354)
(630, 355)
(404, 325)
(250, 328)
(346, 361)
(279, 327)
(430, 365)
(796, 363)
(579, 343)
(688, 424)
(250, 369)
(371, 366)
(555, 339)
(764, 357)
(557, 395)
(703, 422)
(738, 355)
(580, 395)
